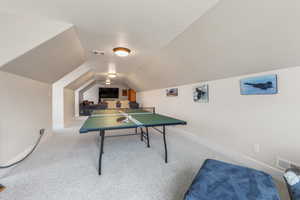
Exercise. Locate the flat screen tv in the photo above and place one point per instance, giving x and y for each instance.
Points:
(108, 93)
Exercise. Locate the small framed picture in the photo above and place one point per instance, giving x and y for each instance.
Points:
(173, 92)
(266, 84)
(200, 94)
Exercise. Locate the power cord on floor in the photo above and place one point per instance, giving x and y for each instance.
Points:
(42, 131)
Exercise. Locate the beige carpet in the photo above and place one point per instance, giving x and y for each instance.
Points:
(65, 168)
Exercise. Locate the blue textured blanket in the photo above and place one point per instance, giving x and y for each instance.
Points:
(295, 191)
(217, 180)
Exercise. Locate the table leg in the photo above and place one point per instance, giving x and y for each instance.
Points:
(147, 134)
(142, 135)
(102, 134)
(165, 144)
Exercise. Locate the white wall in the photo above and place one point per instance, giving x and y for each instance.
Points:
(78, 96)
(69, 106)
(58, 95)
(93, 93)
(25, 109)
(236, 122)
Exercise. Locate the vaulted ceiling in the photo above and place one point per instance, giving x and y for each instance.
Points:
(173, 42)
(143, 26)
(51, 60)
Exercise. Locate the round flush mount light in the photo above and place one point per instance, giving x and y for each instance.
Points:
(121, 51)
(112, 75)
(107, 82)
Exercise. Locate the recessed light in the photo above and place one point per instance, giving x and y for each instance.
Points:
(121, 51)
(112, 75)
(107, 83)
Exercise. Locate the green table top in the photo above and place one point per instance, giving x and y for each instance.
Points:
(107, 120)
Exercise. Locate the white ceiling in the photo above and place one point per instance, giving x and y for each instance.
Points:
(20, 34)
(99, 78)
(234, 38)
(178, 42)
(50, 61)
(77, 83)
(143, 26)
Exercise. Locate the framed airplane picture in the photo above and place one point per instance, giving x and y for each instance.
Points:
(200, 94)
(266, 84)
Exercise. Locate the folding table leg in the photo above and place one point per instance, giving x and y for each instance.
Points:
(102, 134)
(165, 144)
(147, 134)
(142, 135)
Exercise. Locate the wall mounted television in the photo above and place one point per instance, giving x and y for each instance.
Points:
(108, 93)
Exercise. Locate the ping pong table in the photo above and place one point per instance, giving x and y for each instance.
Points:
(142, 119)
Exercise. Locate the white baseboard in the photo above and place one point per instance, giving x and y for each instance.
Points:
(231, 154)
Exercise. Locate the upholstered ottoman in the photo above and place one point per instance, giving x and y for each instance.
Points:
(292, 179)
(218, 180)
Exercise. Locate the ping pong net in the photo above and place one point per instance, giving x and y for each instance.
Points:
(123, 112)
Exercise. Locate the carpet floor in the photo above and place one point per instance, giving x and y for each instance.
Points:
(64, 167)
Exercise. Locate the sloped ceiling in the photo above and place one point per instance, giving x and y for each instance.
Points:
(179, 42)
(20, 34)
(50, 61)
(89, 86)
(77, 83)
(98, 78)
(236, 37)
(143, 26)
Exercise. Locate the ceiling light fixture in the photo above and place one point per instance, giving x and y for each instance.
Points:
(121, 51)
(107, 82)
(112, 75)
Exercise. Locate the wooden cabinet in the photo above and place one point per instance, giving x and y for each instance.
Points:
(131, 95)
